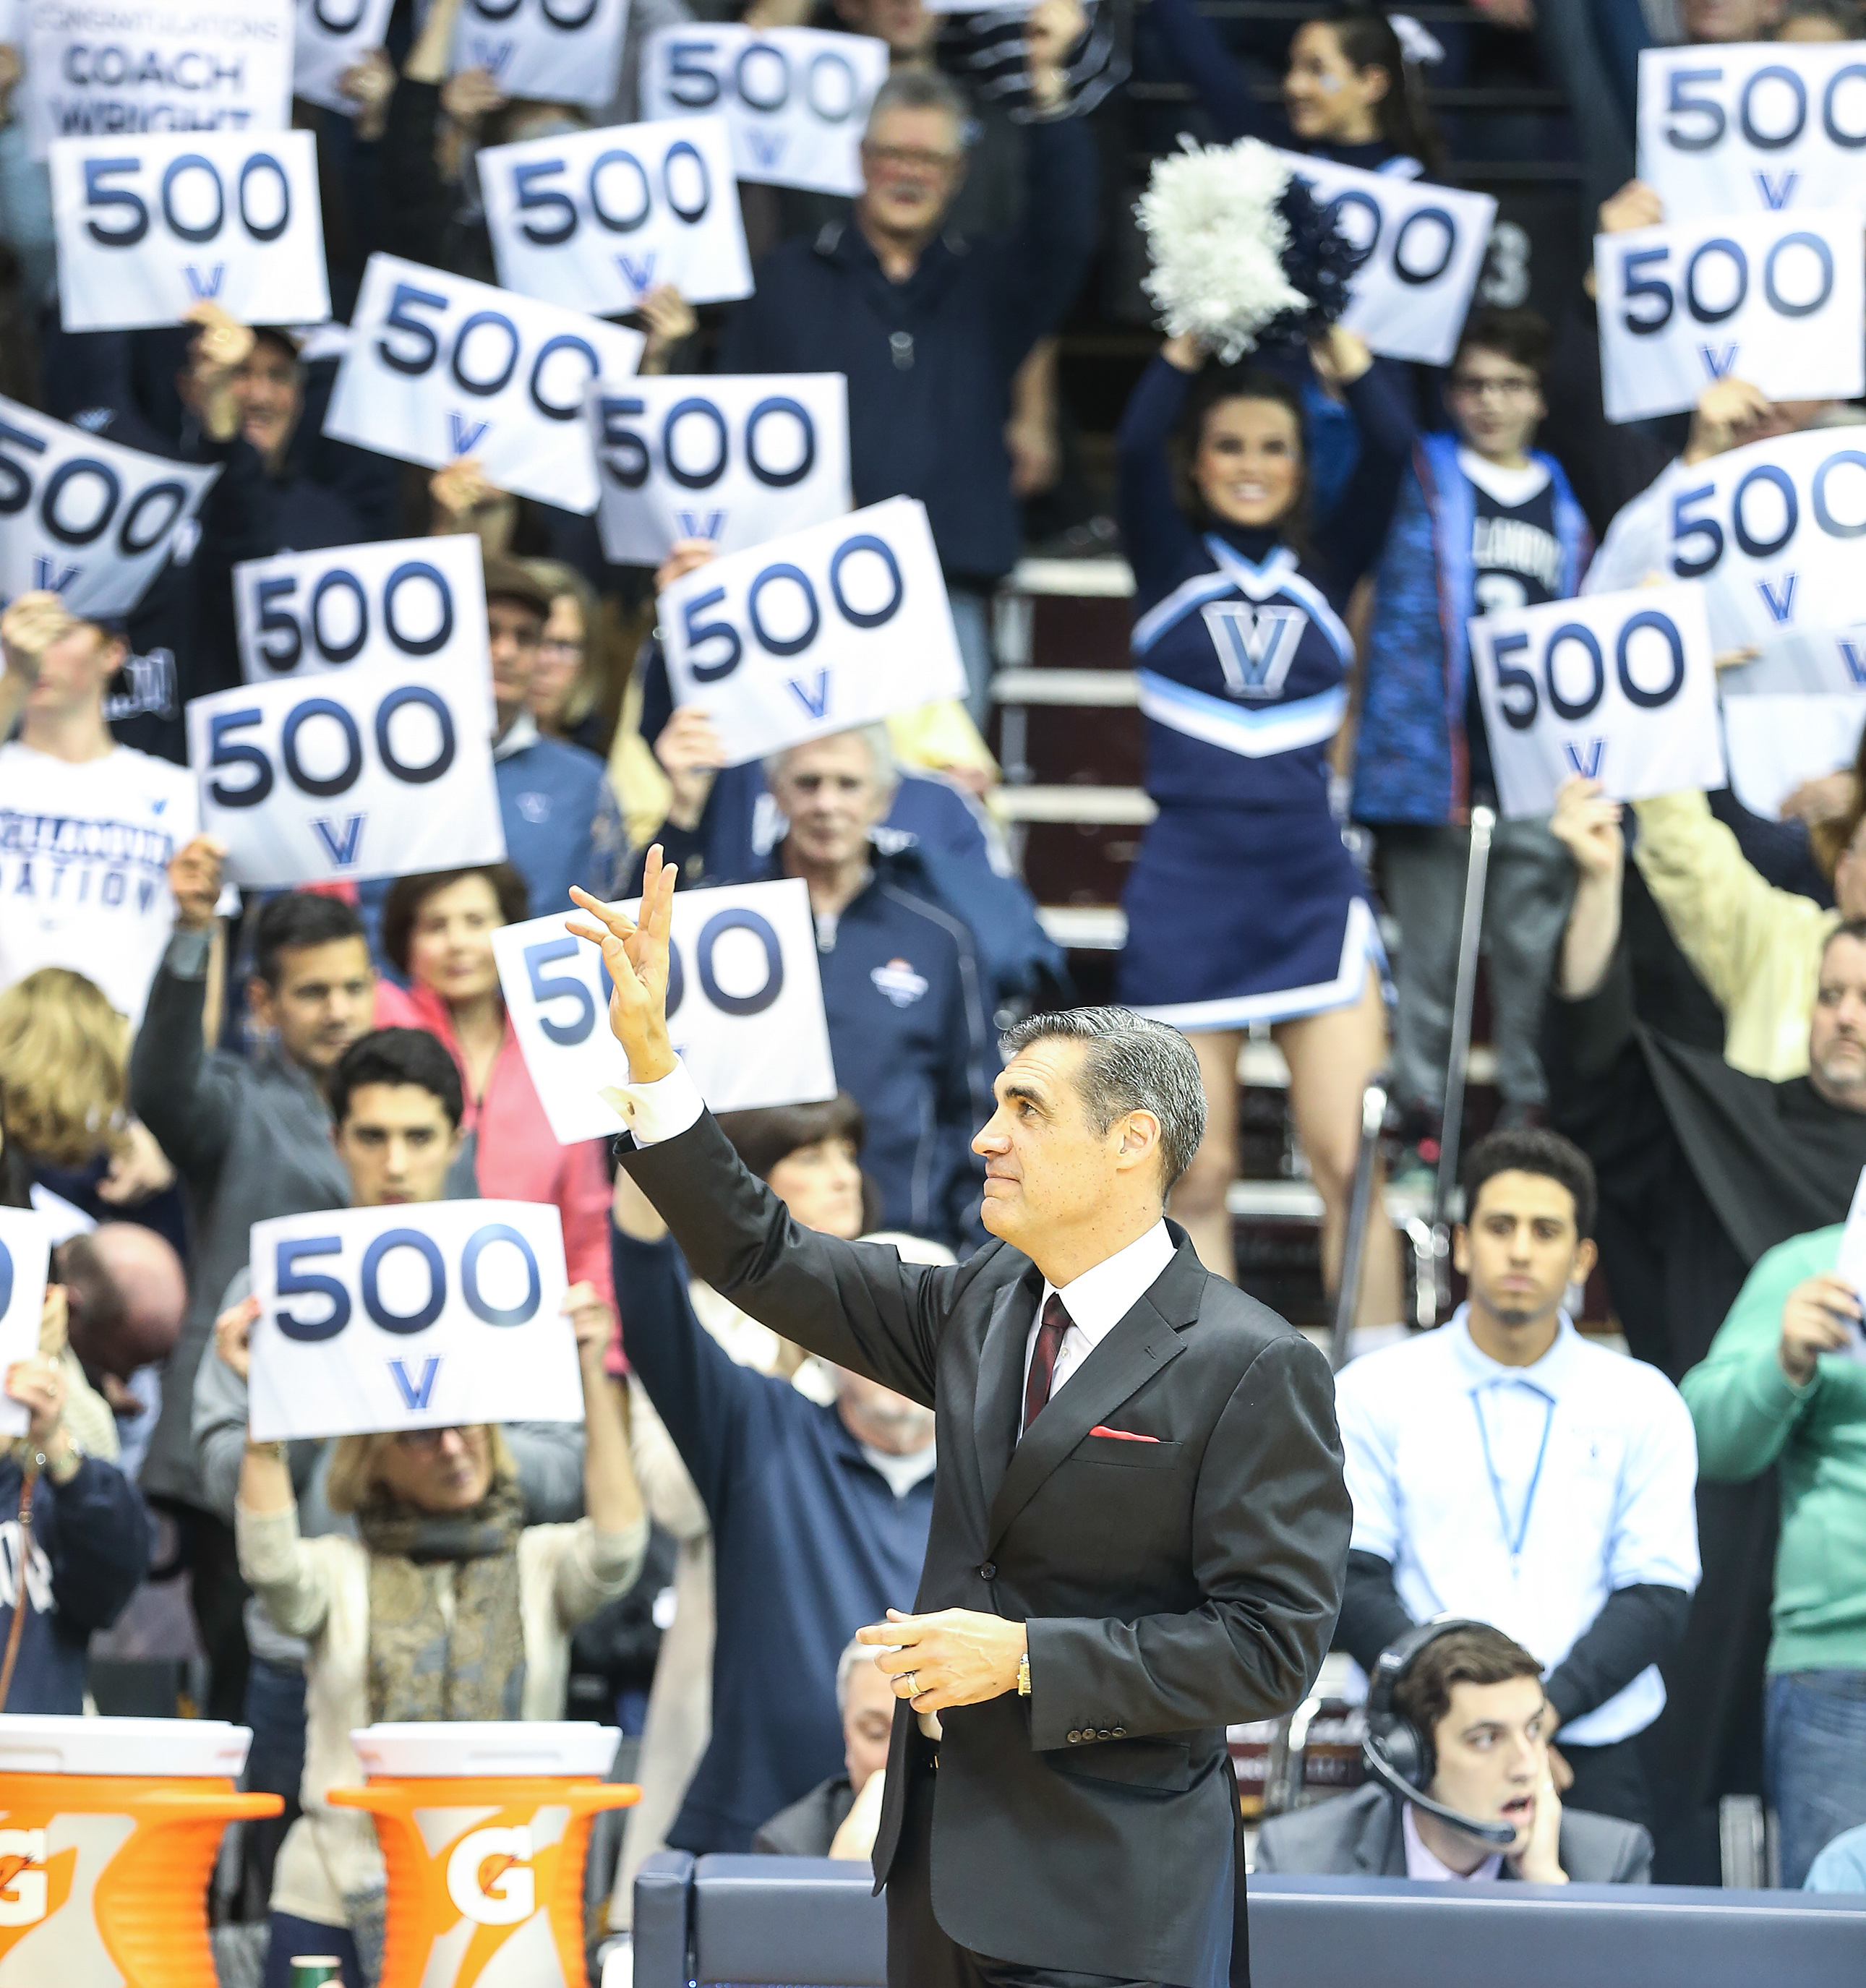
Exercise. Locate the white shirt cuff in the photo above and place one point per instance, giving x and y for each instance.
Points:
(662, 1110)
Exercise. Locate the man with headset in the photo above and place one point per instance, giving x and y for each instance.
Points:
(1462, 1786)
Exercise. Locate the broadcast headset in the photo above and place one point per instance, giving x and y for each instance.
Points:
(1397, 1754)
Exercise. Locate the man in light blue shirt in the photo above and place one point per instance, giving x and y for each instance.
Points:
(1503, 1468)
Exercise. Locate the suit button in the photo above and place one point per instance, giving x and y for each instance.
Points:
(1121, 1732)
(1104, 1734)
(988, 1571)
(1075, 1738)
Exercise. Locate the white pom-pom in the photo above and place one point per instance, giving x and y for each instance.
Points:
(1217, 241)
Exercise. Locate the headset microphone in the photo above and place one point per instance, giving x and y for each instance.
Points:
(1397, 1754)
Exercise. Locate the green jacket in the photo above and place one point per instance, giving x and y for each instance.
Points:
(1748, 1417)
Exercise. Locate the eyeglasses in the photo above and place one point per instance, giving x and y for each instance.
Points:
(902, 158)
(1468, 388)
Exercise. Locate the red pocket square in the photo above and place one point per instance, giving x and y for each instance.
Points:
(1121, 1436)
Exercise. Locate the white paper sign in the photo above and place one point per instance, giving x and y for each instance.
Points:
(1618, 687)
(796, 98)
(440, 367)
(1748, 127)
(745, 1007)
(98, 69)
(1778, 300)
(149, 227)
(736, 459)
(1423, 249)
(816, 632)
(593, 220)
(438, 1316)
(1773, 530)
(366, 772)
(333, 35)
(563, 51)
(417, 605)
(1774, 743)
(25, 1244)
(88, 520)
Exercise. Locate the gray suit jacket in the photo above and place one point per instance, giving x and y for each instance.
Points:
(1359, 1834)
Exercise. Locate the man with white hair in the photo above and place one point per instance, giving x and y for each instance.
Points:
(838, 1817)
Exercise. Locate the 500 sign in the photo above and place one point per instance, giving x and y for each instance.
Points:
(561, 51)
(409, 762)
(332, 36)
(744, 461)
(594, 221)
(1619, 688)
(439, 366)
(743, 1001)
(88, 520)
(389, 1318)
(148, 228)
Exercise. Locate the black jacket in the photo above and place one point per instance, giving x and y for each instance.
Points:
(929, 361)
(809, 1826)
(1171, 1588)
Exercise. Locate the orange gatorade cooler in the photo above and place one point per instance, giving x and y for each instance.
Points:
(109, 1829)
(483, 1828)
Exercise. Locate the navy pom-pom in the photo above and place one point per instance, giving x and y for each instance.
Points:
(1319, 260)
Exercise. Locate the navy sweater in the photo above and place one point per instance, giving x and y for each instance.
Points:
(810, 1544)
(90, 1550)
(929, 361)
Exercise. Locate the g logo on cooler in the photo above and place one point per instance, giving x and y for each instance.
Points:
(25, 1895)
(490, 1878)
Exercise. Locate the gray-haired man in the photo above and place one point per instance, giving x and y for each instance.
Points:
(1140, 1527)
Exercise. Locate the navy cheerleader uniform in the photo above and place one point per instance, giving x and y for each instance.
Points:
(1244, 905)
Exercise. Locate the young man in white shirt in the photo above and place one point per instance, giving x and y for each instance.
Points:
(88, 827)
(1503, 1468)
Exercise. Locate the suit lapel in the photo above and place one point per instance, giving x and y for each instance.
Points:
(997, 1406)
(1138, 1347)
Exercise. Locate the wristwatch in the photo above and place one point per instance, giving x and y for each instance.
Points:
(1023, 1675)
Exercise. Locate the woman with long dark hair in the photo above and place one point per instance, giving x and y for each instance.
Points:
(1244, 905)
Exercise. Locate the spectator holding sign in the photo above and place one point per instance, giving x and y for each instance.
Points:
(1783, 1385)
(485, 1608)
(1483, 523)
(436, 931)
(1244, 905)
(929, 337)
(251, 1138)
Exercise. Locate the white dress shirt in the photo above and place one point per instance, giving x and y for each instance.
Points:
(1099, 1299)
(1523, 1495)
(1421, 1862)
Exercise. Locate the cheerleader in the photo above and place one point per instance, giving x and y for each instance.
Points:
(1244, 906)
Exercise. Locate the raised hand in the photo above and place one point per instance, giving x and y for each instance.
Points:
(636, 954)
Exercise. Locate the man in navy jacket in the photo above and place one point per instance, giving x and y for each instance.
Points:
(927, 328)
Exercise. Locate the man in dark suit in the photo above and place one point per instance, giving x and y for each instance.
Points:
(1140, 1527)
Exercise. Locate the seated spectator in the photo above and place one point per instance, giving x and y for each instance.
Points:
(438, 931)
(823, 1823)
(562, 825)
(928, 331)
(74, 1545)
(818, 1515)
(396, 1109)
(125, 1295)
(251, 1138)
(88, 827)
(490, 1603)
(1486, 522)
(1473, 1699)
(1503, 1468)
(1783, 1391)
(1702, 1170)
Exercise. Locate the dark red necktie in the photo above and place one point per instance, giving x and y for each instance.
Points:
(1056, 1321)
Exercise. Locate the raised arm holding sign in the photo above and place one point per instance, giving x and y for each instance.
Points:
(333, 37)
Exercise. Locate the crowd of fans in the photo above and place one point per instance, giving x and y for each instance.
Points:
(1661, 1555)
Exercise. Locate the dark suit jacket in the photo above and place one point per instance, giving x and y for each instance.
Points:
(1360, 1833)
(1171, 1588)
(808, 1827)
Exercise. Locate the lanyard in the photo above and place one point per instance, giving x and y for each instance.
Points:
(1515, 1545)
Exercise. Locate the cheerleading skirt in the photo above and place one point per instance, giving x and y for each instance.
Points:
(1237, 915)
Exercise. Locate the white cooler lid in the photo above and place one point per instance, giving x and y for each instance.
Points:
(45, 1743)
(423, 1751)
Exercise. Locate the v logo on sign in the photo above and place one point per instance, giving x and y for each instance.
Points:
(1255, 645)
(1853, 656)
(50, 579)
(463, 433)
(767, 147)
(700, 524)
(1717, 360)
(638, 271)
(415, 1393)
(491, 55)
(201, 287)
(343, 850)
(816, 702)
(1777, 192)
(1587, 763)
(1782, 605)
